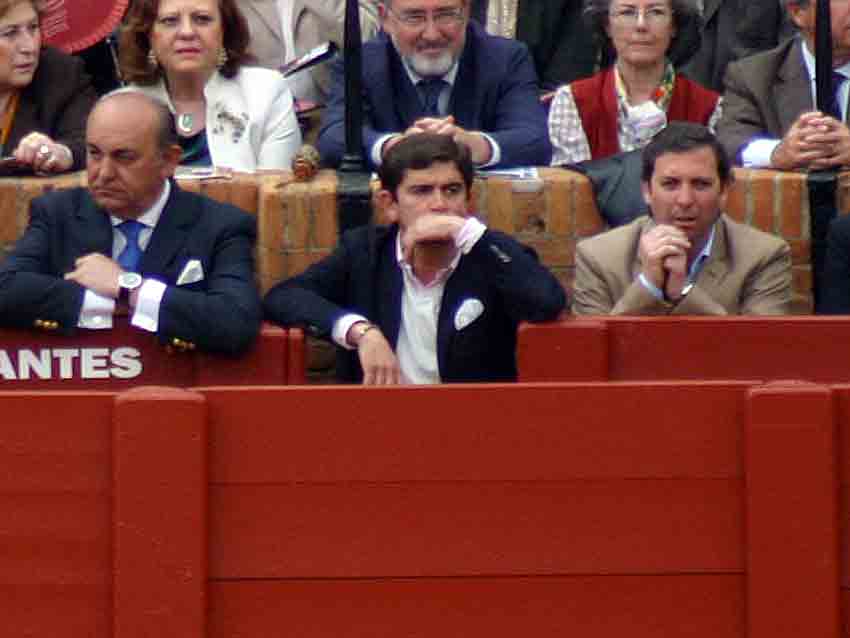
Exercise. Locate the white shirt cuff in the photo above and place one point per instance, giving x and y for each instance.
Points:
(757, 153)
(654, 290)
(495, 152)
(469, 234)
(378, 148)
(97, 311)
(342, 326)
(146, 314)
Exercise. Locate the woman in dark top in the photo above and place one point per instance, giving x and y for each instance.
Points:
(45, 95)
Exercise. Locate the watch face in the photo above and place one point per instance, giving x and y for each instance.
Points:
(129, 280)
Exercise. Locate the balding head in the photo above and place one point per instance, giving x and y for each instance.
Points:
(131, 152)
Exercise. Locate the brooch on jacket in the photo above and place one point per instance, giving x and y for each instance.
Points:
(224, 119)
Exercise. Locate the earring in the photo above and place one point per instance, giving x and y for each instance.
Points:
(152, 61)
(222, 57)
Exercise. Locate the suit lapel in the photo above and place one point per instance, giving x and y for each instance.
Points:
(91, 231)
(710, 7)
(267, 11)
(792, 92)
(386, 272)
(463, 103)
(404, 95)
(176, 222)
(716, 267)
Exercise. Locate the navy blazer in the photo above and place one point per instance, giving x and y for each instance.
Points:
(495, 91)
(363, 276)
(221, 312)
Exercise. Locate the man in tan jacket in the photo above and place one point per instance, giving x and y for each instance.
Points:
(687, 257)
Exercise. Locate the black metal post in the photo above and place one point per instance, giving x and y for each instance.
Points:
(822, 185)
(354, 206)
(823, 57)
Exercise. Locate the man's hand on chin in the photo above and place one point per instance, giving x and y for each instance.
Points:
(661, 249)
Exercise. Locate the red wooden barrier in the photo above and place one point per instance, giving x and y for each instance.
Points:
(650, 348)
(792, 512)
(600, 510)
(125, 357)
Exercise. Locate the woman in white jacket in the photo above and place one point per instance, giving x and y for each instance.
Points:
(192, 54)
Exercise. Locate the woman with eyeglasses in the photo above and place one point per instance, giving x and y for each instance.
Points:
(193, 55)
(620, 108)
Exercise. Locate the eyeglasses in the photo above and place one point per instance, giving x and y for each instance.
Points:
(445, 18)
(629, 16)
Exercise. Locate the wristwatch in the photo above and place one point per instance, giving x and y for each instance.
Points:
(682, 294)
(127, 283)
(364, 327)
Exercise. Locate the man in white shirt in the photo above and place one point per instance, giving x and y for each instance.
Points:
(436, 296)
(769, 116)
(179, 264)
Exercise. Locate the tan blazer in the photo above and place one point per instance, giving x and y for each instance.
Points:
(765, 93)
(316, 21)
(747, 272)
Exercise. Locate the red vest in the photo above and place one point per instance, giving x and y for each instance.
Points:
(596, 99)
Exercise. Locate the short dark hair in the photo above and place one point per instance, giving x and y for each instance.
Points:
(135, 42)
(420, 151)
(687, 20)
(681, 137)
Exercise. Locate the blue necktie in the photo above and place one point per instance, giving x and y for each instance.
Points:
(430, 90)
(132, 253)
(835, 111)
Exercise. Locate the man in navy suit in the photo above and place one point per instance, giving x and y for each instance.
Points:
(432, 70)
(434, 297)
(180, 264)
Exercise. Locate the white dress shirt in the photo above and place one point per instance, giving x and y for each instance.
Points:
(416, 347)
(97, 311)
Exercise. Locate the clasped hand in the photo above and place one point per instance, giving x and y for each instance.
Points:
(479, 147)
(814, 141)
(663, 254)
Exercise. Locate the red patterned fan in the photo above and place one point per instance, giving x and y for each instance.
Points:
(74, 25)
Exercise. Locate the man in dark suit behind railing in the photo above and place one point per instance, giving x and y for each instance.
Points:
(436, 296)
(434, 71)
(180, 264)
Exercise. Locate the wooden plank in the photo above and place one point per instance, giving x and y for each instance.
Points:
(590, 607)
(491, 432)
(810, 348)
(574, 349)
(460, 529)
(842, 394)
(54, 488)
(792, 512)
(48, 611)
(160, 514)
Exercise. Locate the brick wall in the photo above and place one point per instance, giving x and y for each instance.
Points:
(297, 222)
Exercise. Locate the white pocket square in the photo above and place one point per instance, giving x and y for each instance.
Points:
(468, 312)
(192, 272)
